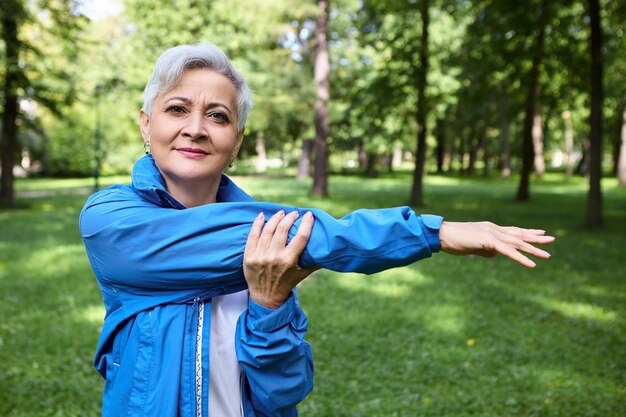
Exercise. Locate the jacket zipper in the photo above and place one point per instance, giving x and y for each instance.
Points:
(199, 330)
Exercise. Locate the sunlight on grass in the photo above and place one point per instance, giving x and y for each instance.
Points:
(396, 283)
(56, 260)
(597, 291)
(445, 318)
(93, 314)
(579, 310)
(441, 180)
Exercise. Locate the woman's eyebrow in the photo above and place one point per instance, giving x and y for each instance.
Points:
(188, 101)
(179, 98)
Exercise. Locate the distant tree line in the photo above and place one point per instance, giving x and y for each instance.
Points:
(465, 87)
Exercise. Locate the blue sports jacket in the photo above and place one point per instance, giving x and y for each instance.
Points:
(159, 264)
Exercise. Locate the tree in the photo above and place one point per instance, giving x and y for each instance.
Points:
(322, 90)
(531, 108)
(621, 166)
(594, 216)
(13, 14)
(417, 189)
(30, 76)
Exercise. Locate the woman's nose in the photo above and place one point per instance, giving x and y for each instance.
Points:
(195, 128)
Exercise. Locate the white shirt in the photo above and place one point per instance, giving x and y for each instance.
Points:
(224, 370)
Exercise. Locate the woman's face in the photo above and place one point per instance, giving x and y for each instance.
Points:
(193, 127)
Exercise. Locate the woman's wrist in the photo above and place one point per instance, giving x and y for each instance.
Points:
(268, 301)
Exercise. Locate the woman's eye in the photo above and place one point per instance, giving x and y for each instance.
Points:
(176, 109)
(220, 117)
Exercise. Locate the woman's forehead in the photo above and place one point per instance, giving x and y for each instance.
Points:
(200, 83)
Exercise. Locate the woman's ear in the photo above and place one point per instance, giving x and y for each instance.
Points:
(238, 142)
(144, 124)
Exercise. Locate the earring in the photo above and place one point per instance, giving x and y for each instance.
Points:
(231, 161)
(146, 147)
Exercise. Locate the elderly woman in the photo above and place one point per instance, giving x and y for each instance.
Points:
(201, 312)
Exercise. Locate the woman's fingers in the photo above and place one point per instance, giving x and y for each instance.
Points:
(275, 233)
(535, 236)
(255, 234)
(282, 231)
(299, 241)
(512, 240)
(515, 255)
(269, 229)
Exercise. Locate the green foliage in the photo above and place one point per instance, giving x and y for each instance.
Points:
(479, 58)
(446, 336)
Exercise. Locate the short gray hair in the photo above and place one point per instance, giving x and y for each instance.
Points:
(172, 63)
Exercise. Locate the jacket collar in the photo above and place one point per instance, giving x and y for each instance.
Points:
(150, 185)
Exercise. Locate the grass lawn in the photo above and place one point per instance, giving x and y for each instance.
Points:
(448, 336)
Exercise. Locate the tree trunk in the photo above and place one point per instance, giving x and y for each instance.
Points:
(583, 164)
(370, 167)
(417, 198)
(9, 115)
(540, 166)
(304, 162)
(569, 144)
(387, 161)
(621, 165)
(485, 148)
(440, 151)
(594, 200)
(261, 161)
(523, 192)
(505, 139)
(461, 155)
(396, 160)
(322, 90)
(473, 152)
(362, 157)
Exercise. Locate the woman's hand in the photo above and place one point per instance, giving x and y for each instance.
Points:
(269, 264)
(488, 239)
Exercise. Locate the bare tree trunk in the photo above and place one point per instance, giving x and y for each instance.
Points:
(473, 152)
(388, 161)
(569, 144)
(440, 151)
(540, 166)
(505, 137)
(304, 162)
(396, 160)
(261, 162)
(417, 198)
(621, 165)
(461, 154)
(370, 167)
(362, 156)
(594, 200)
(322, 89)
(485, 148)
(9, 114)
(583, 164)
(523, 191)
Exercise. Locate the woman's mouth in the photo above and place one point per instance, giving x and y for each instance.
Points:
(194, 153)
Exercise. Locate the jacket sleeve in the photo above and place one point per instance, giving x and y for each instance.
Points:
(135, 243)
(275, 358)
